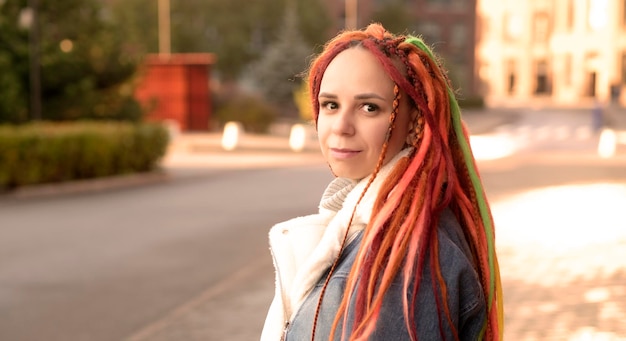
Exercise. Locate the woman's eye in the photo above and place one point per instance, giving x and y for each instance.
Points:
(370, 108)
(329, 105)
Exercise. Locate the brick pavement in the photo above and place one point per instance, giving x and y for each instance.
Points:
(562, 281)
(564, 275)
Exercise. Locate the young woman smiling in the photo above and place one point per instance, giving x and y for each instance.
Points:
(402, 247)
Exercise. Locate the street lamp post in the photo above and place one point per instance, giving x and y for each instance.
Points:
(164, 28)
(351, 14)
(34, 68)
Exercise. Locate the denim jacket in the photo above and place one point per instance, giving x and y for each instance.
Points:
(465, 297)
(304, 248)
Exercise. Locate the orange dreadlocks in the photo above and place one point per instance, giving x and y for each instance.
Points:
(440, 172)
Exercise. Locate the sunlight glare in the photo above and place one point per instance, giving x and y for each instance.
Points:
(563, 217)
(491, 147)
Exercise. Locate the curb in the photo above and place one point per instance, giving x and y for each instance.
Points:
(87, 186)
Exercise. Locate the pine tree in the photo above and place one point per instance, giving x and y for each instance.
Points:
(279, 71)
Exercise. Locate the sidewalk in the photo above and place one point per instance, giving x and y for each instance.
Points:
(477, 122)
(199, 154)
(561, 252)
(193, 154)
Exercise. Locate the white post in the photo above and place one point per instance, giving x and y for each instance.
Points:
(297, 137)
(231, 135)
(607, 143)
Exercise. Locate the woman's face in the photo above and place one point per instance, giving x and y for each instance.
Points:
(356, 101)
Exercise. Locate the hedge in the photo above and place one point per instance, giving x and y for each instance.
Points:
(48, 152)
(254, 113)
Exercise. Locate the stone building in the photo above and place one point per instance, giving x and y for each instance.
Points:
(557, 52)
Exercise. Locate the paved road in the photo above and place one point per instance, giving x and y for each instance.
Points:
(101, 266)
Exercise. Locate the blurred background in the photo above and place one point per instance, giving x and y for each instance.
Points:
(148, 146)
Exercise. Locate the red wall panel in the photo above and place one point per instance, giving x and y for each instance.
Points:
(176, 88)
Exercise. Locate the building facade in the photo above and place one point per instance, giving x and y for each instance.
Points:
(562, 52)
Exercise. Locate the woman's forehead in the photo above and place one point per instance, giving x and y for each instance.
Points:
(356, 68)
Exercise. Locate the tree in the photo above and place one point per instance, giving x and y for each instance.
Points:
(13, 64)
(277, 73)
(314, 22)
(85, 72)
(237, 31)
(394, 16)
(140, 20)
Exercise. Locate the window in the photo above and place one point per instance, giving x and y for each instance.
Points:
(542, 85)
(541, 27)
(570, 15)
(598, 16)
(458, 37)
(623, 67)
(454, 4)
(513, 26)
(460, 77)
(567, 69)
(510, 76)
(438, 2)
(483, 24)
(431, 32)
(591, 76)
(460, 4)
(624, 12)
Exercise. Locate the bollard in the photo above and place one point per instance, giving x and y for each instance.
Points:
(607, 143)
(297, 137)
(231, 135)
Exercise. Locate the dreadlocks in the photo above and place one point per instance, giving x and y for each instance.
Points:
(439, 172)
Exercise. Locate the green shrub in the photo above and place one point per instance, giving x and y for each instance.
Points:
(54, 152)
(253, 113)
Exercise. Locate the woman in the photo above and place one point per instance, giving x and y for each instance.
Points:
(403, 246)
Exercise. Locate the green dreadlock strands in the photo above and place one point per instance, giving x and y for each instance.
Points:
(469, 161)
(478, 188)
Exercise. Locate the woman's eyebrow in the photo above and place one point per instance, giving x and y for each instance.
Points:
(327, 95)
(368, 95)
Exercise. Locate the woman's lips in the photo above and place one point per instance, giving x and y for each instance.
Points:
(342, 153)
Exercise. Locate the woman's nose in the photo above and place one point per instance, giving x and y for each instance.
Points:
(344, 123)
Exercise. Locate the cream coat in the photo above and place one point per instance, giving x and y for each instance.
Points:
(304, 248)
